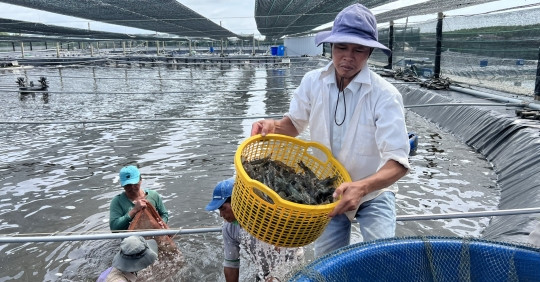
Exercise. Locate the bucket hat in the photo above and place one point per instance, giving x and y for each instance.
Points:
(135, 254)
(129, 175)
(354, 24)
(222, 192)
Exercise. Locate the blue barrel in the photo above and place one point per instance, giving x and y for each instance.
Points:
(520, 62)
(483, 63)
(274, 50)
(281, 50)
(426, 259)
(413, 143)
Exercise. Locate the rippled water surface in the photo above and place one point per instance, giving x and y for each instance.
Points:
(60, 177)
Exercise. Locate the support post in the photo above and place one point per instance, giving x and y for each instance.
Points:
(537, 84)
(123, 47)
(57, 49)
(190, 47)
(22, 50)
(390, 44)
(222, 47)
(437, 70)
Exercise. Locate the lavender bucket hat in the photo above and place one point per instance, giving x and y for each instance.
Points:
(354, 24)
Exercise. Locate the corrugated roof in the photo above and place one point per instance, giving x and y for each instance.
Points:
(167, 16)
(277, 18)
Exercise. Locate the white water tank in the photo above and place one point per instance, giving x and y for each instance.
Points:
(302, 46)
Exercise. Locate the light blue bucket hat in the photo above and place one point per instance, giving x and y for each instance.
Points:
(354, 24)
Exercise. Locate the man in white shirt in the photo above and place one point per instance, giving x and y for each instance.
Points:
(360, 117)
(272, 262)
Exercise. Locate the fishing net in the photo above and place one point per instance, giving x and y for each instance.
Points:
(426, 259)
(170, 259)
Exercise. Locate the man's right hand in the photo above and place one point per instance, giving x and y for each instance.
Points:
(263, 127)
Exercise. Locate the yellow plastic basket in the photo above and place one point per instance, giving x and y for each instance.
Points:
(280, 222)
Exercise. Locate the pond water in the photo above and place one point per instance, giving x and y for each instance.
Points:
(59, 178)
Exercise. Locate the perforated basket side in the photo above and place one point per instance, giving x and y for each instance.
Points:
(277, 221)
(278, 225)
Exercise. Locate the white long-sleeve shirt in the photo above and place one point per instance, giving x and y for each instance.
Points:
(373, 131)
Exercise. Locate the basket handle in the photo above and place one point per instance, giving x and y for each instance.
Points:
(276, 199)
(312, 144)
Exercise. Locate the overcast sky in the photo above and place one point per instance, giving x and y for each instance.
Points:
(235, 15)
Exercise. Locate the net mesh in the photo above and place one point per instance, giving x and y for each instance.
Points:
(497, 51)
(426, 259)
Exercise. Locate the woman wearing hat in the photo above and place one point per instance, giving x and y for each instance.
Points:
(135, 254)
(359, 116)
(133, 199)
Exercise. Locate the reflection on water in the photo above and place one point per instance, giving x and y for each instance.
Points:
(60, 178)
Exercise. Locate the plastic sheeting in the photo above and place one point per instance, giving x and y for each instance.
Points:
(512, 145)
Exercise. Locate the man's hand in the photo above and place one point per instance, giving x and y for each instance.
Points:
(263, 127)
(351, 194)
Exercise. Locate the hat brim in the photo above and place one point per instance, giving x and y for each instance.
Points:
(215, 204)
(130, 181)
(133, 265)
(328, 37)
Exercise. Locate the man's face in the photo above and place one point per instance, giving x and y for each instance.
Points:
(226, 212)
(133, 189)
(349, 58)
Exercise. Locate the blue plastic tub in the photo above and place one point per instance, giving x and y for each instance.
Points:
(281, 50)
(426, 259)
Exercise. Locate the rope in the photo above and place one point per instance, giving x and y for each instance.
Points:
(134, 120)
(233, 118)
(159, 78)
(468, 104)
(145, 93)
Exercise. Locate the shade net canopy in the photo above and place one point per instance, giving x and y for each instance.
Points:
(166, 16)
(33, 31)
(278, 18)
